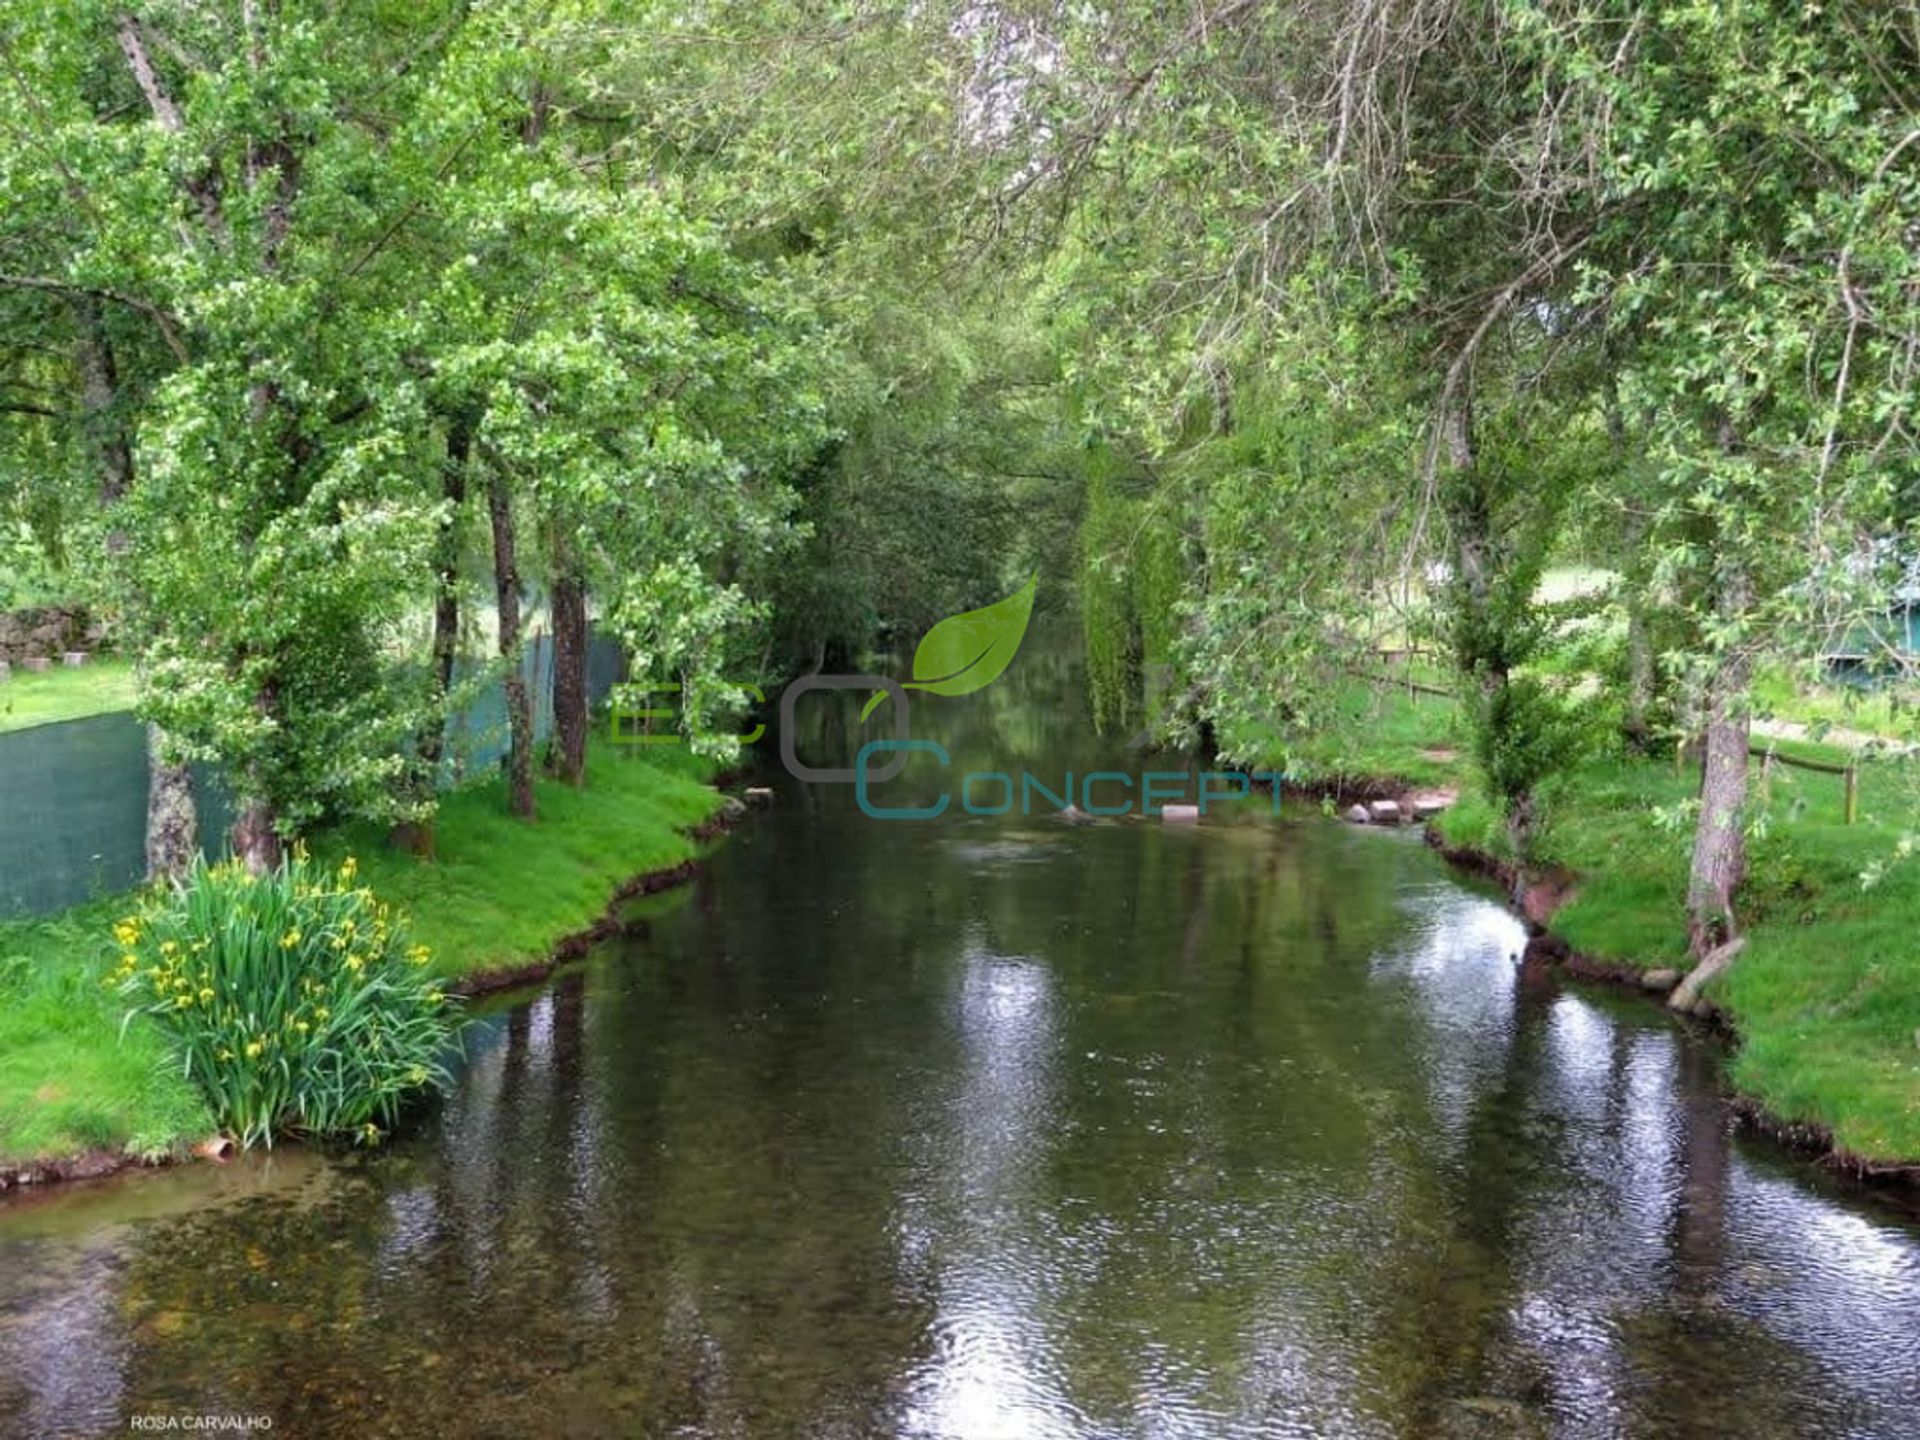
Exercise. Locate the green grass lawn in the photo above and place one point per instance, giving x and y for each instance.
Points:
(1567, 582)
(1888, 710)
(501, 892)
(41, 698)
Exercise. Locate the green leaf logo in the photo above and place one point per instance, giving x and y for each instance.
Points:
(967, 652)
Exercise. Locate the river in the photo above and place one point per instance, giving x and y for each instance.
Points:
(994, 1126)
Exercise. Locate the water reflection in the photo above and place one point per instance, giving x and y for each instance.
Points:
(1006, 1128)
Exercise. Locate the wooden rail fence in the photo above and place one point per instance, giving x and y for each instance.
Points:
(1769, 757)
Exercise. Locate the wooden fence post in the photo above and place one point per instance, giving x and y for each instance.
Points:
(1853, 793)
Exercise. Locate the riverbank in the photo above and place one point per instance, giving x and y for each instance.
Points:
(1823, 1005)
(501, 902)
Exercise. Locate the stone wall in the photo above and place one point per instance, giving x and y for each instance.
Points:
(49, 633)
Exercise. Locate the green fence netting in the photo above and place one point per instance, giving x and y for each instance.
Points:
(73, 796)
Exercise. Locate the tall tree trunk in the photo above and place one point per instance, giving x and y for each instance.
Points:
(172, 837)
(1720, 842)
(506, 578)
(1479, 649)
(431, 745)
(106, 428)
(568, 757)
(256, 835)
(173, 821)
(256, 842)
(446, 605)
(173, 827)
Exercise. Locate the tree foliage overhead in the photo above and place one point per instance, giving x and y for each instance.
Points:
(781, 330)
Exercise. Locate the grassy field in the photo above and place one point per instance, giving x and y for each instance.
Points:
(1826, 997)
(97, 687)
(500, 892)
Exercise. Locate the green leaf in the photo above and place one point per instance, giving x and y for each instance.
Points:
(967, 652)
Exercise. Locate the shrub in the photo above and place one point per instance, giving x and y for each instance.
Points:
(293, 999)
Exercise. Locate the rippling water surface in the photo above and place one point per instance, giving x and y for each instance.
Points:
(997, 1127)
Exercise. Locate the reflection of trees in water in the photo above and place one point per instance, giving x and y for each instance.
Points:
(1167, 950)
(1690, 1354)
(1585, 1264)
(1699, 1222)
(1451, 1337)
(766, 1237)
(1186, 964)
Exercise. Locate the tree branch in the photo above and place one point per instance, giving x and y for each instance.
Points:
(206, 189)
(168, 324)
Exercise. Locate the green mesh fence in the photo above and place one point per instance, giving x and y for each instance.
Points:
(73, 809)
(73, 796)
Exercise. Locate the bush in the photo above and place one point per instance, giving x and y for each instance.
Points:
(293, 1000)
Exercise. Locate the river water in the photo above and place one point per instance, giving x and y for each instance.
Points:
(994, 1126)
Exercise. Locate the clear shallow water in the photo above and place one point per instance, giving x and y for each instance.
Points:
(997, 1127)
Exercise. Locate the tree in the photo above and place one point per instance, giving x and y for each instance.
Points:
(1755, 264)
(273, 539)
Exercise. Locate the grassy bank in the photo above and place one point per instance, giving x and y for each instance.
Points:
(69, 1082)
(500, 892)
(1826, 997)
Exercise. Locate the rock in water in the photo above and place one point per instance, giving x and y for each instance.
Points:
(1180, 814)
(1386, 812)
(1358, 814)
